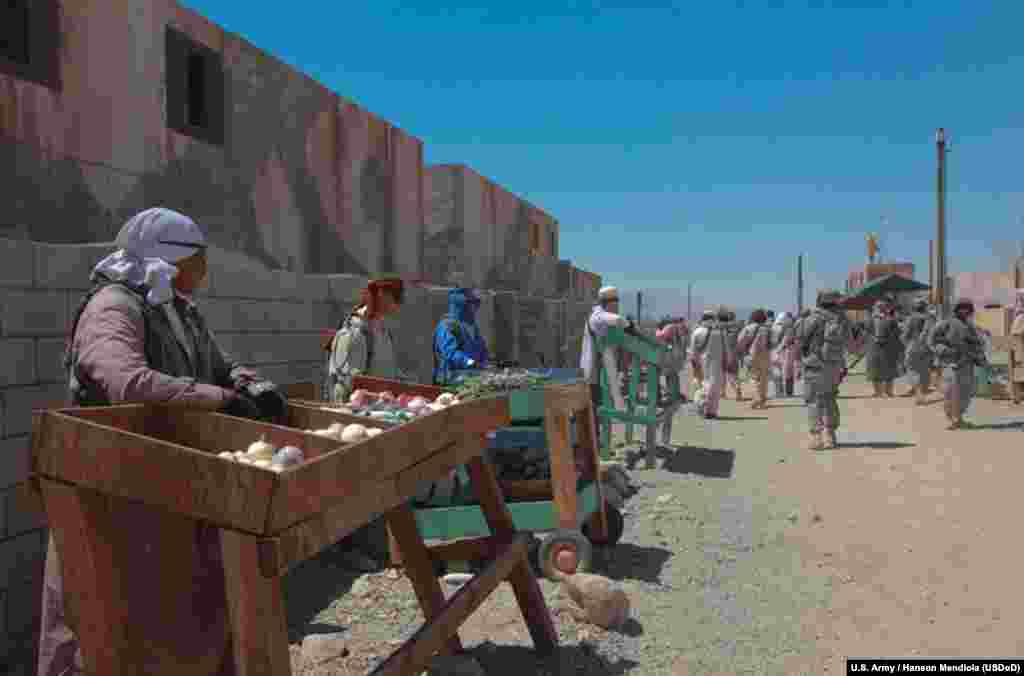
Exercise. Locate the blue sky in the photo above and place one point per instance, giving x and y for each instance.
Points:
(698, 141)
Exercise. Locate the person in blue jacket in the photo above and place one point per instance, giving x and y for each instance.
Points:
(458, 344)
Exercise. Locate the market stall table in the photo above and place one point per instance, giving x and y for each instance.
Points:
(93, 464)
(573, 516)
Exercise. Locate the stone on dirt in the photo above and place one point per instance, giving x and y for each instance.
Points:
(602, 601)
(320, 648)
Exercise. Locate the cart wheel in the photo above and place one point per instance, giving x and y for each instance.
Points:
(616, 526)
(566, 552)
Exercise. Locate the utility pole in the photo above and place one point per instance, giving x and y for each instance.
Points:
(639, 306)
(931, 268)
(940, 238)
(689, 301)
(799, 283)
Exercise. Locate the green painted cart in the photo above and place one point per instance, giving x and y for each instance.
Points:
(569, 511)
(640, 407)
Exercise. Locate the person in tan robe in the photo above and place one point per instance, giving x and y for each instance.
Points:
(138, 337)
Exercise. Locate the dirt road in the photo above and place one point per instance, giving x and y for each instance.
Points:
(747, 554)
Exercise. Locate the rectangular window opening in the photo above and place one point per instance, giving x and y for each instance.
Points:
(198, 112)
(14, 27)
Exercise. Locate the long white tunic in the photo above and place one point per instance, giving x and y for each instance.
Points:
(713, 341)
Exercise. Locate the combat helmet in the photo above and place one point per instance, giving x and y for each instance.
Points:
(921, 305)
(828, 297)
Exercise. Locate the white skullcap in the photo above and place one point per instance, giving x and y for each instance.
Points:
(607, 293)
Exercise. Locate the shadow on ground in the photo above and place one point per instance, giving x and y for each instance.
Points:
(627, 561)
(1000, 426)
(309, 587)
(742, 418)
(714, 463)
(874, 445)
(568, 659)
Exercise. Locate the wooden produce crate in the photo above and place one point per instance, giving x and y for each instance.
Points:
(557, 505)
(996, 321)
(92, 464)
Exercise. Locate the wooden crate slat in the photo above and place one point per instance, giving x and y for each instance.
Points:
(371, 384)
(311, 416)
(114, 461)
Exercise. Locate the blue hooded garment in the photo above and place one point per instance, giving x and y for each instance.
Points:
(451, 352)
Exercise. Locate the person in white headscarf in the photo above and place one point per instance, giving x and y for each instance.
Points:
(782, 359)
(137, 337)
(603, 316)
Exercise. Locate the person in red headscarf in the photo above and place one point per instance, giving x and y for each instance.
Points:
(364, 344)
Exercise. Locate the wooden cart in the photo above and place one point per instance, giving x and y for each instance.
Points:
(93, 463)
(574, 516)
(640, 408)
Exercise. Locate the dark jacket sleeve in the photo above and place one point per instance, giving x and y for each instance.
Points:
(227, 371)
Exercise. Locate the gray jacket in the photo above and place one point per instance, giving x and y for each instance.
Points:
(915, 333)
(824, 338)
(957, 344)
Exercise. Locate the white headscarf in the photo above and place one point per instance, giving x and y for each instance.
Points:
(148, 246)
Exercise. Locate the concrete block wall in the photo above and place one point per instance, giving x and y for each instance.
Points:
(270, 319)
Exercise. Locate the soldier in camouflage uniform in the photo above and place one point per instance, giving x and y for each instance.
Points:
(824, 339)
(800, 321)
(918, 356)
(958, 346)
(732, 375)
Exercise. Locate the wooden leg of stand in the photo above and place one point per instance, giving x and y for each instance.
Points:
(563, 468)
(585, 424)
(259, 634)
(420, 567)
(524, 584)
(93, 577)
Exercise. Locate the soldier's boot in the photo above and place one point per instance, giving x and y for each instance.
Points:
(889, 386)
(911, 392)
(815, 442)
(831, 440)
(879, 390)
(921, 400)
(789, 387)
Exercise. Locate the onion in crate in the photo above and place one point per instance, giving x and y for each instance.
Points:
(417, 403)
(288, 456)
(353, 434)
(261, 449)
(371, 432)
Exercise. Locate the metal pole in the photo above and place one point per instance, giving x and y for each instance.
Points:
(799, 283)
(931, 269)
(689, 301)
(940, 253)
(639, 306)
